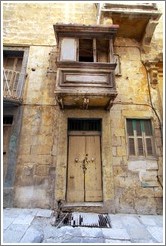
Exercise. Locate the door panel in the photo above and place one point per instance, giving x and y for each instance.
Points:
(6, 138)
(75, 187)
(93, 182)
(84, 184)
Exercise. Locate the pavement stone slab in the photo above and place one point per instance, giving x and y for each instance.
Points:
(51, 240)
(138, 233)
(44, 213)
(7, 221)
(11, 212)
(144, 241)
(115, 234)
(117, 241)
(130, 221)
(158, 219)
(24, 220)
(14, 233)
(50, 231)
(73, 240)
(147, 220)
(116, 221)
(156, 232)
(92, 240)
(32, 236)
(91, 232)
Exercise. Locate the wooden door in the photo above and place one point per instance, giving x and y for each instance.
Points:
(6, 137)
(84, 182)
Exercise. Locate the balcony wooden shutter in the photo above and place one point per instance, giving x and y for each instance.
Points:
(68, 49)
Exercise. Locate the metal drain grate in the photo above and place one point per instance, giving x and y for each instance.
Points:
(87, 220)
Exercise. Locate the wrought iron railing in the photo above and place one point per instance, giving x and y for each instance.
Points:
(11, 84)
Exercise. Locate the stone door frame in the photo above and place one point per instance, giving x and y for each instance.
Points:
(61, 139)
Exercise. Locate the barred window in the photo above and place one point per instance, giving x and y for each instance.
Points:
(140, 138)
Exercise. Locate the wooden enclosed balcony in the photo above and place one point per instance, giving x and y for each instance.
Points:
(85, 66)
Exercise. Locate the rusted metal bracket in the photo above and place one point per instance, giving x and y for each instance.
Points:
(85, 103)
(60, 102)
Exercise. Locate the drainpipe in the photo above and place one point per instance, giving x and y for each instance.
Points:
(152, 106)
(155, 111)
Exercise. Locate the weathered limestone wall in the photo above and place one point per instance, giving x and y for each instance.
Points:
(42, 158)
(137, 189)
(34, 184)
(137, 186)
(32, 23)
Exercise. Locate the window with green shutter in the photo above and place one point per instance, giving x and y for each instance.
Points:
(140, 138)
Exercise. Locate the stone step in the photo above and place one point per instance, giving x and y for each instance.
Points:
(84, 207)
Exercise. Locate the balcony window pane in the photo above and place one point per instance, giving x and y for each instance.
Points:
(68, 49)
(86, 50)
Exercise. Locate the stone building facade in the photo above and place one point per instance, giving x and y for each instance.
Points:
(95, 79)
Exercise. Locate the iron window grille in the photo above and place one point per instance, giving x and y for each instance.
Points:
(84, 124)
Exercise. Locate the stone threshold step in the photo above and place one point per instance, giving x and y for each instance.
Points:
(84, 204)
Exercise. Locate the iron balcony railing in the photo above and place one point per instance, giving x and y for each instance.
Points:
(11, 88)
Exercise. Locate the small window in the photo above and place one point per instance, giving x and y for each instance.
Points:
(102, 49)
(14, 71)
(86, 50)
(140, 139)
(12, 64)
(7, 120)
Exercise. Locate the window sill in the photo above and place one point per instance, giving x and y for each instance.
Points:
(142, 158)
(75, 64)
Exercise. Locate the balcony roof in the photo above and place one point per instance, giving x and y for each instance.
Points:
(132, 18)
(76, 30)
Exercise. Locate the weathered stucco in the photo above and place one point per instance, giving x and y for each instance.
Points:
(129, 186)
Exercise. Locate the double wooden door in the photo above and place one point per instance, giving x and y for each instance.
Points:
(84, 179)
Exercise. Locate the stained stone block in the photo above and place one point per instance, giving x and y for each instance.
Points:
(121, 151)
(42, 170)
(41, 149)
